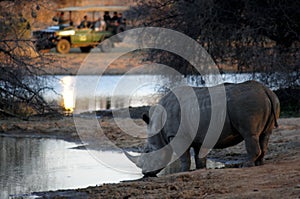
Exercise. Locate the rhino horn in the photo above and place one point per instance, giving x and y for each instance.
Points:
(134, 159)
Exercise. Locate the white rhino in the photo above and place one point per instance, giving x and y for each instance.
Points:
(251, 114)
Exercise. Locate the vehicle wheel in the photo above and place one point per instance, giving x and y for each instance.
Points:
(63, 46)
(86, 49)
(106, 46)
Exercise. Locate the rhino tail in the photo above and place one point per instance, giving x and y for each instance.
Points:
(275, 107)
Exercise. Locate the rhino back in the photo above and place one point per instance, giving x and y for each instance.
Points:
(248, 111)
(229, 136)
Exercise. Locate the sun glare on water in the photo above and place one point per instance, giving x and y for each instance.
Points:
(68, 93)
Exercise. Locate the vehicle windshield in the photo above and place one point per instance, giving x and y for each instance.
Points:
(58, 27)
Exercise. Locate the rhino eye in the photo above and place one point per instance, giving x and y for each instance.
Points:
(147, 149)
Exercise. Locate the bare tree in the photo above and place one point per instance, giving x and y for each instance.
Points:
(21, 87)
(241, 35)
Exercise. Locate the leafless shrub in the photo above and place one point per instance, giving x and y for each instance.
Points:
(21, 87)
(240, 35)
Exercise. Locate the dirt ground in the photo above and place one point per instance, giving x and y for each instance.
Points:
(93, 63)
(123, 57)
(278, 178)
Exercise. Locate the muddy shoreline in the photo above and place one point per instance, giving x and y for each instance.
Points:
(279, 177)
(63, 127)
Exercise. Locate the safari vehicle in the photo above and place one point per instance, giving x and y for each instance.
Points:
(66, 36)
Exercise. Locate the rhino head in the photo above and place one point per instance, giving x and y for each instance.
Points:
(157, 153)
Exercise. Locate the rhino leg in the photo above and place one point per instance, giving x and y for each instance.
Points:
(185, 160)
(263, 142)
(253, 150)
(200, 162)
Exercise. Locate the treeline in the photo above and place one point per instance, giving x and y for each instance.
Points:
(240, 35)
(255, 36)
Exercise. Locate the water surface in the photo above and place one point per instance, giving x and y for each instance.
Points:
(32, 165)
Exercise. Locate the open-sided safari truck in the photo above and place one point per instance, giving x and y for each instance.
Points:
(66, 35)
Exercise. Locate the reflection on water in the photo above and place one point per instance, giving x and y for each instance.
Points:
(120, 91)
(30, 165)
(68, 93)
(105, 95)
(112, 91)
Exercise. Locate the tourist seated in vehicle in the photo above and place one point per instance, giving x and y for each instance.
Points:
(106, 17)
(85, 23)
(100, 25)
(114, 19)
(120, 19)
(60, 18)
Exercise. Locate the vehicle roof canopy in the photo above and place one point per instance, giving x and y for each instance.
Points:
(95, 8)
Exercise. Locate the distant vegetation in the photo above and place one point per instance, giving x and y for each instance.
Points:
(256, 36)
(289, 102)
(240, 35)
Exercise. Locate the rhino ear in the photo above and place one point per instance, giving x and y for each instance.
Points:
(146, 118)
